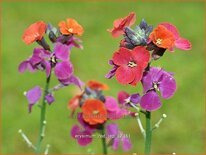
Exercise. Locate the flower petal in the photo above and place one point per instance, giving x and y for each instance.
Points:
(183, 44)
(150, 101)
(115, 144)
(61, 51)
(85, 138)
(33, 96)
(167, 86)
(112, 129)
(126, 144)
(122, 96)
(171, 28)
(122, 57)
(124, 75)
(74, 131)
(73, 80)
(135, 98)
(63, 70)
(49, 98)
(111, 104)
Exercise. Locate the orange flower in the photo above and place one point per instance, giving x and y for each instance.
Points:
(162, 37)
(70, 27)
(97, 85)
(34, 32)
(94, 112)
(121, 23)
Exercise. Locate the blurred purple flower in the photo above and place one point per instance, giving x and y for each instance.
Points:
(83, 137)
(156, 79)
(49, 98)
(70, 41)
(33, 96)
(114, 111)
(117, 137)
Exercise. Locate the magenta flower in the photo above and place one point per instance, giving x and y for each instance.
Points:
(49, 98)
(83, 133)
(33, 96)
(180, 42)
(114, 110)
(38, 61)
(156, 80)
(117, 137)
(83, 137)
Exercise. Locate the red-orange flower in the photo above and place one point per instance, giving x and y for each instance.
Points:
(162, 37)
(73, 104)
(34, 32)
(97, 85)
(94, 112)
(121, 23)
(70, 27)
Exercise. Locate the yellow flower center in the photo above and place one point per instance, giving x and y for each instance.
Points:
(70, 30)
(159, 41)
(95, 112)
(132, 64)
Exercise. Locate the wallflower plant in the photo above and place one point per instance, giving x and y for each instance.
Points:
(131, 65)
(50, 59)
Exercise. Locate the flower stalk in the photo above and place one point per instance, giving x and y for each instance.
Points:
(148, 133)
(159, 122)
(42, 117)
(104, 146)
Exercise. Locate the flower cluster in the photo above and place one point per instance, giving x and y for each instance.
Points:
(46, 59)
(96, 111)
(138, 48)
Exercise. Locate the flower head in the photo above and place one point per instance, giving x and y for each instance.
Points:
(130, 64)
(121, 23)
(94, 112)
(156, 79)
(162, 37)
(180, 42)
(34, 32)
(117, 137)
(33, 96)
(71, 26)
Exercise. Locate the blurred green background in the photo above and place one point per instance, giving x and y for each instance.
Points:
(182, 131)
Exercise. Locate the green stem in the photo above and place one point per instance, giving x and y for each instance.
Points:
(104, 146)
(148, 133)
(42, 117)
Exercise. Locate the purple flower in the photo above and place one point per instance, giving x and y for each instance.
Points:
(114, 111)
(112, 71)
(38, 61)
(70, 41)
(49, 98)
(83, 137)
(156, 79)
(117, 137)
(124, 98)
(33, 96)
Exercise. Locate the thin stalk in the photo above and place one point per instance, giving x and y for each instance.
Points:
(42, 117)
(104, 146)
(148, 133)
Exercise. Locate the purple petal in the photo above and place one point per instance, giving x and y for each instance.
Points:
(112, 129)
(74, 131)
(167, 86)
(153, 75)
(49, 98)
(135, 98)
(61, 51)
(150, 101)
(111, 72)
(126, 144)
(23, 66)
(84, 138)
(63, 70)
(85, 125)
(33, 96)
(115, 144)
(47, 66)
(73, 80)
(122, 96)
(111, 104)
(74, 42)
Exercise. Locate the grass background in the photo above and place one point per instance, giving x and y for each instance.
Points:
(183, 130)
